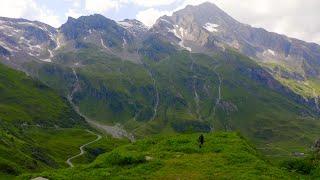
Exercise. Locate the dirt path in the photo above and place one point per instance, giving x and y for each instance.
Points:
(82, 148)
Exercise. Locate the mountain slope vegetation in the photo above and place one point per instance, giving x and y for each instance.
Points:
(31, 110)
(223, 156)
(186, 92)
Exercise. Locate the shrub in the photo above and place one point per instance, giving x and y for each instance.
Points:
(117, 158)
(8, 167)
(302, 166)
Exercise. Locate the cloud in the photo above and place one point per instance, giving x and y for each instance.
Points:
(28, 9)
(73, 13)
(74, 3)
(101, 6)
(149, 16)
(152, 3)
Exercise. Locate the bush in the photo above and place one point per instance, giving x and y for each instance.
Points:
(116, 158)
(302, 166)
(8, 168)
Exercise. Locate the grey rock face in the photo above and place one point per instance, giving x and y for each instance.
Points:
(134, 26)
(95, 29)
(206, 27)
(4, 52)
(22, 39)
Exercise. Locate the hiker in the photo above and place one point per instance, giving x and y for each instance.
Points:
(201, 140)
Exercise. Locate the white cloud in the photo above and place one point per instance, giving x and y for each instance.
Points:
(74, 3)
(75, 10)
(101, 6)
(149, 16)
(152, 3)
(73, 13)
(28, 9)
(50, 19)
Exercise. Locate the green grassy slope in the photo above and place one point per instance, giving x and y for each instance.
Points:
(295, 79)
(24, 100)
(224, 156)
(35, 122)
(252, 101)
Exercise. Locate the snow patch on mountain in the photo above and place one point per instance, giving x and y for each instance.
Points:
(125, 24)
(102, 44)
(180, 33)
(124, 43)
(7, 47)
(58, 39)
(50, 53)
(26, 23)
(164, 20)
(46, 60)
(269, 52)
(134, 26)
(4, 26)
(211, 27)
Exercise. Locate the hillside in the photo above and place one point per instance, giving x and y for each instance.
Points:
(30, 102)
(186, 92)
(224, 156)
(29, 111)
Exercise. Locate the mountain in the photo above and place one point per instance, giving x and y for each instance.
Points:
(26, 40)
(198, 70)
(205, 28)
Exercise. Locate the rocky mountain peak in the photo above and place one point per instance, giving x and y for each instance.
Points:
(134, 26)
(75, 28)
(206, 13)
(206, 27)
(194, 27)
(21, 38)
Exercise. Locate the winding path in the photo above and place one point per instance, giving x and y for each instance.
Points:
(81, 148)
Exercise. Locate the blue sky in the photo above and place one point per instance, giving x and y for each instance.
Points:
(295, 18)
